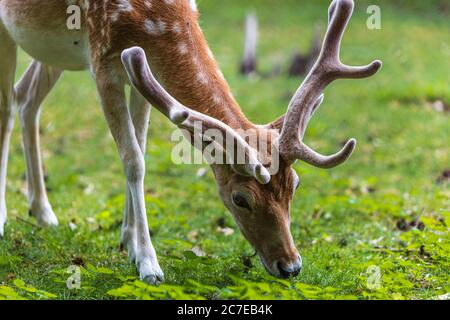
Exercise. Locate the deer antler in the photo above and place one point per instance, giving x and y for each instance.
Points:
(141, 77)
(308, 98)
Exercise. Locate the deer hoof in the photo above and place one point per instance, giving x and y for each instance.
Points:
(150, 272)
(44, 215)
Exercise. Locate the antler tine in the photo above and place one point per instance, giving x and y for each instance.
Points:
(141, 77)
(340, 13)
(308, 97)
(313, 158)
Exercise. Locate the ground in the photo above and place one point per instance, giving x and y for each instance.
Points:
(374, 228)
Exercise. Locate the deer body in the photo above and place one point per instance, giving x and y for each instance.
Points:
(168, 34)
(40, 29)
(104, 34)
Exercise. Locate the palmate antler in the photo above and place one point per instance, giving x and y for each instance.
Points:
(310, 94)
(141, 77)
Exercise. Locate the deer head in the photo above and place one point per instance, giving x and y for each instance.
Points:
(259, 199)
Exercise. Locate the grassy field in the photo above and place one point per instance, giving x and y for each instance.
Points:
(384, 210)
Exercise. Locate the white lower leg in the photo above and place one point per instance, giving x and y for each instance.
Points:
(31, 90)
(128, 236)
(37, 196)
(146, 259)
(7, 72)
(6, 126)
(140, 116)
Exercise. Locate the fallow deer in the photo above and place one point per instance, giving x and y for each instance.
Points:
(168, 34)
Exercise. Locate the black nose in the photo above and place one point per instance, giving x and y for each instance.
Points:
(291, 269)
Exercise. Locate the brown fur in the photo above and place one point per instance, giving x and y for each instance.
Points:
(164, 56)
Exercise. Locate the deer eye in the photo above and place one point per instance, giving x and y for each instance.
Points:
(240, 201)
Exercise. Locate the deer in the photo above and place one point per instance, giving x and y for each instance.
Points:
(157, 48)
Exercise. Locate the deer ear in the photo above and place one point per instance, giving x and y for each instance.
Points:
(276, 125)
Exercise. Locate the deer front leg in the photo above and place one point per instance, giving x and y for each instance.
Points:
(140, 116)
(31, 90)
(122, 129)
(7, 70)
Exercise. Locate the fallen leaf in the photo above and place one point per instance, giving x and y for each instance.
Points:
(444, 296)
(89, 189)
(327, 237)
(91, 220)
(192, 235)
(198, 252)
(440, 106)
(72, 226)
(225, 231)
(375, 242)
(202, 172)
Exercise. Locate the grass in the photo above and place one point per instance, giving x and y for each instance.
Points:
(383, 208)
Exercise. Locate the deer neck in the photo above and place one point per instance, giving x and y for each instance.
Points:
(197, 83)
(176, 47)
(187, 69)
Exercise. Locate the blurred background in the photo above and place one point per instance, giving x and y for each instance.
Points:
(387, 207)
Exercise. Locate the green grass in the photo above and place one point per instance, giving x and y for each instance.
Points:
(344, 220)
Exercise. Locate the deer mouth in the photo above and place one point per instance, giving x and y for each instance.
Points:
(280, 270)
(271, 269)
